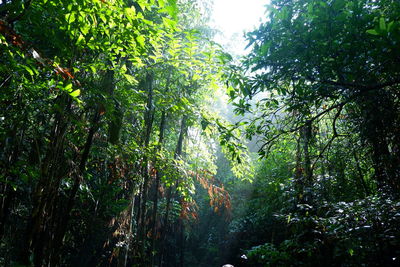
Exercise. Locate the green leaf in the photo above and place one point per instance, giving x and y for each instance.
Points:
(85, 29)
(169, 23)
(382, 24)
(70, 17)
(144, 4)
(204, 124)
(141, 41)
(75, 93)
(351, 251)
(103, 18)
(172, 9)
(92, 68)
(68, 87)
(28, 69)
(130, 12)
(373, 32)
(80, 40)
(161, 3)
(130, 79)
(391, 26)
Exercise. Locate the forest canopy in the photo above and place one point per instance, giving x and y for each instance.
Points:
(128, 137)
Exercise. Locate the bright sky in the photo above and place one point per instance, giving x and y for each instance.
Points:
(233, 17)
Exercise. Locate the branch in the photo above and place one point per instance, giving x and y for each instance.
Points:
(335, 119)
(335, 135)
(339, 105)
(362, 90)
(361, 87)
(4, 82)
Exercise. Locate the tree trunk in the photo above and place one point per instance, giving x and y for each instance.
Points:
(62, 223)
(305, 136)
(39, 230)
(157, 185)
(377, 129)
(178, 153)
(360, 174)
(149, 115)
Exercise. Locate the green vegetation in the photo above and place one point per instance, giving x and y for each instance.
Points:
(117, 150)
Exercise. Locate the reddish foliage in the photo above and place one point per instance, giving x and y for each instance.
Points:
(16, 40)
(11, 35)
(219, 198)
(189, 210)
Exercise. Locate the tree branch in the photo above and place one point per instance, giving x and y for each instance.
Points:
(335, 135)
(339, 105)
(361, 87)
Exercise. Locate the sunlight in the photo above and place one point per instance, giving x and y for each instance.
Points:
(144, 133)
(233, 18)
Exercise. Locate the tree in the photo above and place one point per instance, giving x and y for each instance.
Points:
(95, 116)
(315, 59)
(323, 77)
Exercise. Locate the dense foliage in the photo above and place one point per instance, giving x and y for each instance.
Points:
(118, 148)
(100, 105)
(325, 76)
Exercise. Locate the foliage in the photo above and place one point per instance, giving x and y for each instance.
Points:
(344, 233)
(98, 98)
(115, 152)
(322, 76)
(314, 60)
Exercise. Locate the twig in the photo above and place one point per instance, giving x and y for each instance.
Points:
(339, 105)
(5, 81)
(335, 135)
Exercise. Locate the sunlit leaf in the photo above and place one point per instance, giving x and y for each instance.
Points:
(130, 79)
(141, 40)
(75, 93)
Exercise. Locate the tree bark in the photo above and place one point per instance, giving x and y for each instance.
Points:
(305, 136)
(39, 230)
(157, 185)
(377, 129)
(178, 153)
(360, 174)
(148, 118)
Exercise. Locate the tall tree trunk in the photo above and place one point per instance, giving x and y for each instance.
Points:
(157, 185)
(378, 120)
(130, 231)
(6, 191)
(182, 243)
(178, 153)
(39, 230)
(158, 178)
(61, 222)
(63, 214)
(148, 118)
(360, 174)
(303, 175)
(305, 136)
(299, 173)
